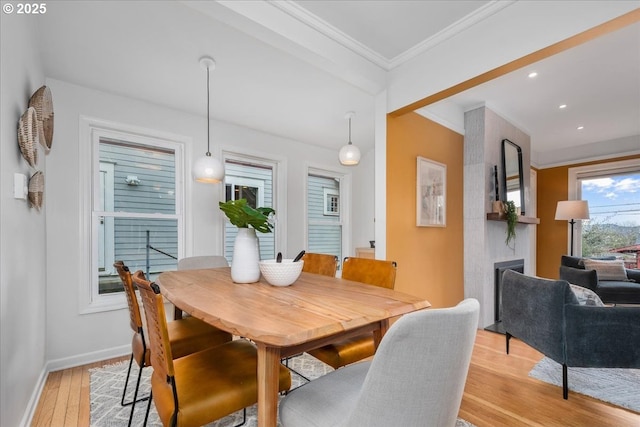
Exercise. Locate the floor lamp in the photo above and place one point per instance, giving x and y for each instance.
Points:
(570, 210)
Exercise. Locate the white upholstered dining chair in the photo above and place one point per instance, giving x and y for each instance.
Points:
(205, 261)
(416, 377)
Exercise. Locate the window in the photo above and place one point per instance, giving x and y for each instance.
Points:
(331, 201)
(325, 222)
(613, 193)
(134, 209)
(251, 179)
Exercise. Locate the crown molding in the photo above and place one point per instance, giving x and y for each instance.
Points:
(303, 15)
(298, 12)
(457, 27)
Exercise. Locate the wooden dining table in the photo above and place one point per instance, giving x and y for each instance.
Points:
(284, 321)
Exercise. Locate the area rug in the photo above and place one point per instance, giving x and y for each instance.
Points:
(617, 386)
(107, 384)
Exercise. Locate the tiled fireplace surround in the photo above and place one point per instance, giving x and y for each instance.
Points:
(484, 240)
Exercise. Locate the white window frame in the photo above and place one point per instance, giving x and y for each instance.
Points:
(345, 205)
(576, 174)
(91, 131)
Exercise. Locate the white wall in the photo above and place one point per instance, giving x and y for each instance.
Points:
(363, 196)
(94, 335)
(22, 246)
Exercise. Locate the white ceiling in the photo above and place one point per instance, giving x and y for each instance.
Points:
(271, 74)
(599, 82)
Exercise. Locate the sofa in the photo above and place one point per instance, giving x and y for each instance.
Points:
(613, 283)
(547, 315)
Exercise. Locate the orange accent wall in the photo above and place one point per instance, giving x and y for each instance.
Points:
(430, 259)
(552, 235)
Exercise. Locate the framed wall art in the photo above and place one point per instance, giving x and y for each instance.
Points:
(431, 193)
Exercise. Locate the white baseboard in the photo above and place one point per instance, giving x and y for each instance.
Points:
(83, 359)
(27, 418)
(65, 363)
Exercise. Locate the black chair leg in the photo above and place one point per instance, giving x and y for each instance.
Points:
(286, 363)
(126, 384)
(146, 416)
(135, 395)
(508, 337)
(565, 386)
(244, 418)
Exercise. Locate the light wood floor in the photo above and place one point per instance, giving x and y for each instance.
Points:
(498, 393)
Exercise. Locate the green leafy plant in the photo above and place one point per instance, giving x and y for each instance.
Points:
(512, 219)
(242, 215)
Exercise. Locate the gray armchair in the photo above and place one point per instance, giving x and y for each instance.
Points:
(546, 315)
(417, 377)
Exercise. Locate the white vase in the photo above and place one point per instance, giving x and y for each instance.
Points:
(246, 256)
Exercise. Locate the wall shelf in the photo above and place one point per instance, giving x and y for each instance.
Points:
(494, 216)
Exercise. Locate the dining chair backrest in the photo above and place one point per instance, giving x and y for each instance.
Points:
(205, 261)
(158, 334)
(323, 264)
(135, 319)
(416, 378)
(371, 271)
(434, 345)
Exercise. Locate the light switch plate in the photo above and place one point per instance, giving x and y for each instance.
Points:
(20, 188)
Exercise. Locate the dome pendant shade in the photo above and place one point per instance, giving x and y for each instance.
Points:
(349, 154)
(208, 169)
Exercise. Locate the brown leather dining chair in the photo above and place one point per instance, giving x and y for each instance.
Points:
(201, 387)
(374, 272)
(324, 264)
(186, 336)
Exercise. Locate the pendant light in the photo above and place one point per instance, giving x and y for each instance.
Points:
(349, 154)
(207, 168)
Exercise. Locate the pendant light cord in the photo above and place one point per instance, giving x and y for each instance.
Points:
(208, 153)
(349, 130)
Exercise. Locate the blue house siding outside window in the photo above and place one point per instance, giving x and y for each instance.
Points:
(324, 233)
(137, 183)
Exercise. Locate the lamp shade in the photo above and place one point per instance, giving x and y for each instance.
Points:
(572, 209)
(349, 155)
(208, 169)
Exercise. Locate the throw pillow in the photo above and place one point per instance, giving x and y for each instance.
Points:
(586, 296)
(585, 278)
(607, 270)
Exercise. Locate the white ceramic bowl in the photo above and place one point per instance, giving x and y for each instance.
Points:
(281, 273)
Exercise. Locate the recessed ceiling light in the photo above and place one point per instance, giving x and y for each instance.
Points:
(580, 127)
(562, 106)
(532, 74)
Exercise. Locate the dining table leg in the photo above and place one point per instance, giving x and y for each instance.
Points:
(379, 333)
(268, 378)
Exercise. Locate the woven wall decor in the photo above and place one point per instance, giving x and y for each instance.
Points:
(36, 189)
(28, 136)
(42, 102)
